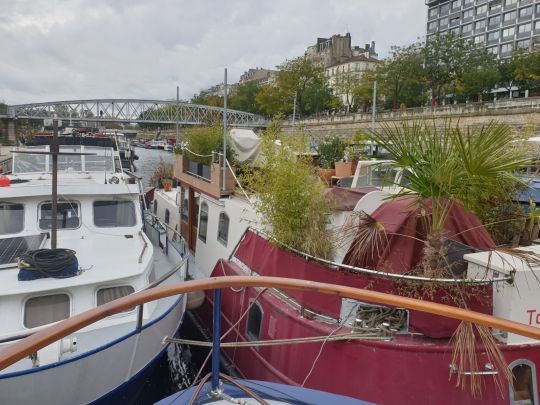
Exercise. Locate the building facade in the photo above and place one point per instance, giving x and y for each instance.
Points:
(259, 76)
(337, 49)
(501, 26)
(342, 76)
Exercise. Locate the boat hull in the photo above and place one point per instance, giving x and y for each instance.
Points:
(408, 369)
(98, 375)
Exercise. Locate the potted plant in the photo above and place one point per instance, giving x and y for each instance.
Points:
(330, 151)
(167, 184)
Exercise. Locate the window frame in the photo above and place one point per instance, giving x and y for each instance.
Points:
(105, 287)
(225, 241)
(77, 202)
(249, 335)
(200, 236)
(25, 302)
(23, 218)
(530, 364)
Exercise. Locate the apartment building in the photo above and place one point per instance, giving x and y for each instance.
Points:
(501, 26)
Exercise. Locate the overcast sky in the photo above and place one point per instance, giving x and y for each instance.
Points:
(53, 50)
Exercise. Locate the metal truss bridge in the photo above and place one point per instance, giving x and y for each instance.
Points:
(133, 111)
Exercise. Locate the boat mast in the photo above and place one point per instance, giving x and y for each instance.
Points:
(373, 112)
(55, 149)
(224, 186)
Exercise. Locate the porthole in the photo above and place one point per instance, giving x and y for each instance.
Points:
(254, 322)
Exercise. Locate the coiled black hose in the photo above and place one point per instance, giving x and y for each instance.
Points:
(48, 262)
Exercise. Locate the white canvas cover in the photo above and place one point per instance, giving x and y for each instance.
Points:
(245, 143)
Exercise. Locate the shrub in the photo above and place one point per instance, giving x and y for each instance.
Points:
(331, 151)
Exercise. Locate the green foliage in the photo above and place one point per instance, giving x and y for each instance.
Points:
(298, 76)
(331, 151)
(447, 58)
(243, 98)
(289, 198)
(201, 142)
(401, 78)
(3, 107)
(449, 164)
(204, 98)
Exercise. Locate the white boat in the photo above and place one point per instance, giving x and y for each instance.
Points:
(158, 144)
(118, 253)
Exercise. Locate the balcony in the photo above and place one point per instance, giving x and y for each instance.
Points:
(207, 178)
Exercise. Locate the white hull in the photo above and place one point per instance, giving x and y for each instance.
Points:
(93, 375)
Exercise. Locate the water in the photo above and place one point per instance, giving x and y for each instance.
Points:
(149, 159)
(177, 369)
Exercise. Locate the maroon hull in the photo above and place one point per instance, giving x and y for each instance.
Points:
(409, 369)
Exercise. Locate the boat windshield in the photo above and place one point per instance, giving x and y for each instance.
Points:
(377, 174)
(100, 160)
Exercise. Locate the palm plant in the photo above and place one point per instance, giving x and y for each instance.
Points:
(448, 165)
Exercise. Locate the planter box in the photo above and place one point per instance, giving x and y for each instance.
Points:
(326, 175)
(344, 169)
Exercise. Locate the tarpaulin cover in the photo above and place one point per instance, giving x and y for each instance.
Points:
(406, 225)
(245, 143)
(345, 198)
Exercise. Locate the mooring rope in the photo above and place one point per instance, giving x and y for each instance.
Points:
(276, 342)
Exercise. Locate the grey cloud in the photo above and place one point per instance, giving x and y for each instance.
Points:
(60, 49)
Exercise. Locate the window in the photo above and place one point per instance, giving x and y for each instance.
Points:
(455, 4)
(492, 50)
(67, 215)
(155, 207)
(114, 214)
(455, 31)
(185, 204)
(479, 39)
(524, 28)
(105, 295)
(432, 12)
(454, 21)
(478, 25)
(468, 13)
(44, 310)
(525, 12)
(203, 223)
(443, 22)
(254, 322)
(432, 25)
(537, 25)
(467, 3)
(445, 7)
(223, 228)
(493, 35)
(467, 28)
(494, 5)
(506, 48)
(11, 218)
(481, 9)
(508, 32)
(509, 2)
(511, 16)
(524, 390)
(524, 44)
(167, 216)
(495, 20)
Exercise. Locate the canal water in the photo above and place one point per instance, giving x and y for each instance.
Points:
(178, 368)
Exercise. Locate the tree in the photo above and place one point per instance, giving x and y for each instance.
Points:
(204, 98)
(476, 83)
(301, 77)
(344, 86)
(527, 70)
(446, 58)
(401, 78)
(244, 98)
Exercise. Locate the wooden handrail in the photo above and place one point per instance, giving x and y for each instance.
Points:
(31, 344)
